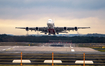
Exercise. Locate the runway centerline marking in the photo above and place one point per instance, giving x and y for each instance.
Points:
(72, 50)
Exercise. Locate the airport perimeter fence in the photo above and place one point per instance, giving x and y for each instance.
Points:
(52, 59)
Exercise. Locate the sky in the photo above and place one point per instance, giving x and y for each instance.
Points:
(35, 13)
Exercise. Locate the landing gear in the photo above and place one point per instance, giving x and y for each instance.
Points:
(57, 33)
(45, 33)
(49, 34)
(54, 34)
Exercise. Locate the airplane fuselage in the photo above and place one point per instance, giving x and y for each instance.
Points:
(51, 26)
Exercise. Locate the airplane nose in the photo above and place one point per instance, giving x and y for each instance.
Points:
(49, 22)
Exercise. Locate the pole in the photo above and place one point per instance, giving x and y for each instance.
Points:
(52, 58)
(83, 59)
(21, 59)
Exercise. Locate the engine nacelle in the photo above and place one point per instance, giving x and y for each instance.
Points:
(65, 28)
(27, 29)
(36, 28)
(76, 29)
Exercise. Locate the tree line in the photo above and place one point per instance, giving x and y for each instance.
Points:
(45, 39)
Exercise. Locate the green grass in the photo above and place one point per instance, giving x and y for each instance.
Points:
(100, 49)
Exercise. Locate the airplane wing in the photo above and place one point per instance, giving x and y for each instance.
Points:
(61, 29)
(43, 29)
(57, 29)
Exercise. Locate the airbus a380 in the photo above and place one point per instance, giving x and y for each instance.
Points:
(51, 29)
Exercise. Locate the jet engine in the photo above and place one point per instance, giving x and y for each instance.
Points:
(65, 28)
(27, 29)
(76, 29)
(37, 28)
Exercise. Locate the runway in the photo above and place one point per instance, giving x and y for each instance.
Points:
(49, 48)
(68, 54)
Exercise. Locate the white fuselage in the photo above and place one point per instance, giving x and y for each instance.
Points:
(51, 26)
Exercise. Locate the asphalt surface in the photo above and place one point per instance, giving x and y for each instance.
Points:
(67, 53)
(63, 48)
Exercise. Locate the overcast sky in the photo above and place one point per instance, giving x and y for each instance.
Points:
(35, 13)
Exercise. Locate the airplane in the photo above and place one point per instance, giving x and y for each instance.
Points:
(51, 29)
